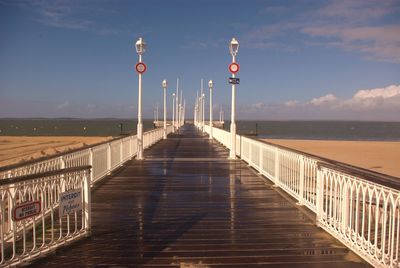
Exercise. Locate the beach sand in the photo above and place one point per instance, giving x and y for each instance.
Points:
(17, 149)
(379, 156)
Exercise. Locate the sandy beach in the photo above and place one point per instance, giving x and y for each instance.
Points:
(17, 149)
(379, 156)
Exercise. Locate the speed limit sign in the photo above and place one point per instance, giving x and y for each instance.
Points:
(234, 67)
(140, 67)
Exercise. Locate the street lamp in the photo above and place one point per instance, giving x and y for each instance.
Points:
(233, 49)
(202, 102)
(173, 112)
(164, 85)
(140, 68)
(210, 85)
(177, 104)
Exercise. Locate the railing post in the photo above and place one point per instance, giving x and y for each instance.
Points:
(345, 207)
(240, 146)
(301, 180)
(276, 173)
(11, 204)
(87, 200)
(250, 156)
(121, 157)
(109, 158)
(91, 164)
(261, 160)
(320, 196)
(130, 146)
(62, 166)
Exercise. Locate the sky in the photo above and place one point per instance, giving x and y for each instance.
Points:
(299, 60)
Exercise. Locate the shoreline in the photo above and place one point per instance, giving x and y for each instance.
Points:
(378, 156)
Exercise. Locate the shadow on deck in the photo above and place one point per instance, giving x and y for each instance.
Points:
(187, 205)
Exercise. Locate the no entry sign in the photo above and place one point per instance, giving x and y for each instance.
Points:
(141, 67)
(26, 210)
(234, 67)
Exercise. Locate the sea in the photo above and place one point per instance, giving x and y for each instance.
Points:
(311, 130)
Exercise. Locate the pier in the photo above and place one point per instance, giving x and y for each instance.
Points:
(187, 205)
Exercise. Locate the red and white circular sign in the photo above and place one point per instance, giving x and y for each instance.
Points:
(234, 67)
(141, 67)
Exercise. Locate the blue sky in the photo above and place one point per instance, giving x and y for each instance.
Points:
(299, 59)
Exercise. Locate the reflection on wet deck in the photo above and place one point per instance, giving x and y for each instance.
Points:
(187, 205)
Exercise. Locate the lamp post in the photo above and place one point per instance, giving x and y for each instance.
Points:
(233, 49)
(173, 112)
(164, 85)
(210, 85)
(196, 109)
(203, 111)
(179, 114)
(177, 104)
(140, 49)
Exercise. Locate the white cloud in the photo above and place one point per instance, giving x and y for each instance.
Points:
(381, 104)
(385, 93)
(258, 105)
(362, 26)
(329, 98)
(291, 103)
(63, 105)
(373, 99)
(357, 10)
(264, 37)
(377, 42)
(74, 15)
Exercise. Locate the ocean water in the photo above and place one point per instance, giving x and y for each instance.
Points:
(319, 130)
(70, 127)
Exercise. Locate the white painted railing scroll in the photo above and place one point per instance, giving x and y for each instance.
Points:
(31, 222)
(40, 183)
(362, 213)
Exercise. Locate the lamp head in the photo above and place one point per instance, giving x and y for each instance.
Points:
(140, 46)
(234, 47)
(210, 84)
(164, 83)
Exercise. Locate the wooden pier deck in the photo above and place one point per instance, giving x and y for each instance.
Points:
(187, 205)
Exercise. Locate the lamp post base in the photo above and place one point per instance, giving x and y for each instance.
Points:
(232, 152)
(139, 141)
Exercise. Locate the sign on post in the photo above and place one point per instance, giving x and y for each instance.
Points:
(234, 80)
(26, 210)
(234, 67)
(140, 67)
(70, 202)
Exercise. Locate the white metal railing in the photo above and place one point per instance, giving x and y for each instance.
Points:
(362, 213)
(40, 183)
(31, 222)
(103, 158)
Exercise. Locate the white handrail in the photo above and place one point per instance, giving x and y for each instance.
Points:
(104, 157)
(363, 214)
(43, 181)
